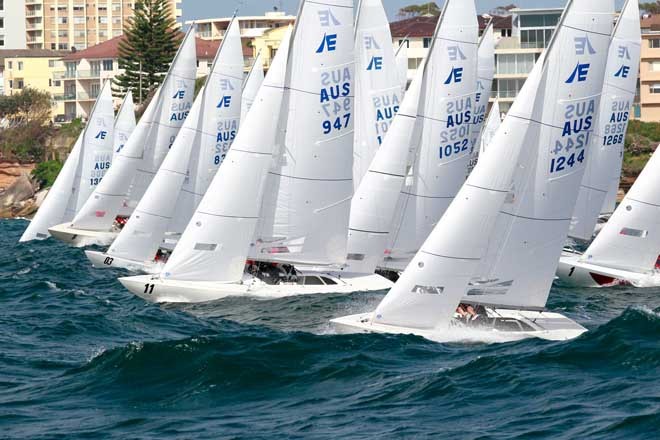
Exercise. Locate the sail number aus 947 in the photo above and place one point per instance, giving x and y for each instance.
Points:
(339, 123)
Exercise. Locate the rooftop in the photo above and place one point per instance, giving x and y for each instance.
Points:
(110, 49)
(424, 25)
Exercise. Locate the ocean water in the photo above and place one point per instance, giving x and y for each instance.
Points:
(80, 357)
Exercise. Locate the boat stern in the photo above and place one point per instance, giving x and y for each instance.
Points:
(80, 237)
(346, 325)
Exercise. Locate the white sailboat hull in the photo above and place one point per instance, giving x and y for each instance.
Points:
(574, 272)
(82, 237)
(102, 260)
(531, 324)
(201, 291)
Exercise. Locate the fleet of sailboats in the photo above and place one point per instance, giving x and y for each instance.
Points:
(329, 170)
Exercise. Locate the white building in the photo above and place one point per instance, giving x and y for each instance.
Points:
(12, 24)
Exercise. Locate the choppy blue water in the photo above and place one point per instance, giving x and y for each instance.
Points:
(80, 357)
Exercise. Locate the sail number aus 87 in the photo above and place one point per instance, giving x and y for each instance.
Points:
(562, 163)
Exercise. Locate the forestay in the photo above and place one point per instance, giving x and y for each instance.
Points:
(215, 243)
(377, 84)
(198, 150)
(84, 168)
(251, 85)
(603, 166)
(305, 215)
(630, 239)
(446, 110)
(532, 227)
(374, 203)
(142, 154)
(485, 73)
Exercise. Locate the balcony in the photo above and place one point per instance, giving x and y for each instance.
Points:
(34, 13)
(34, 26)
(88, 96)
(67, 96)
(88, 74)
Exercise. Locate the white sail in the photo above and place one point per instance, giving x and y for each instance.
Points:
(402, 65)
(86, 165)
(524, 249)
(377, 84)
(307, 219)
(630, 240)
(96, 153)
(124, 124)
(606, 151)
(446, 109)
(485, 73)
(51, 211)
(251, 85)
(375, 200)
(215, 244)
(492, 125)
(432, 285)
(198, 150)
(140, 158)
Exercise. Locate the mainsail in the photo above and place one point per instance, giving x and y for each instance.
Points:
(305, 214)
(402, 65)
(251, 85)
(145, 150)
(485, 73)
(215, 243)
(442, 271)
(606, 151)
(195, 155)
(86, 165)
(377, 84)
(446, 112)
(124, 124)
(524, 250)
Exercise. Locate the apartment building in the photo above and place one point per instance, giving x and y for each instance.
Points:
(36, 69)
(648, 107)
(86, 70)
(261, 30)
(417, 33)
(67, 24)
(12, 24)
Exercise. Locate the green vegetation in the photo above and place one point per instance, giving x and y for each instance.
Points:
(148, 49)
(651, 7)
(199, 83)
(25, 125)
(72, 129)
(430, 8)
(46, 172)
(641, 141)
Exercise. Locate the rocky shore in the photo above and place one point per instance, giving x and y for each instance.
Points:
(19, 194)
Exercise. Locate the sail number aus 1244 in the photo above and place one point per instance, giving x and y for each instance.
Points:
(562, 163)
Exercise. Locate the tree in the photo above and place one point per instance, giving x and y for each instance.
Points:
(503, 10)
(147, 49)
(650, 7)
(430, 8)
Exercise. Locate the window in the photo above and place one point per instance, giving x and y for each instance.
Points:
(328, 281)
(2, 5)
(10, 64)
(20, 65)
(51, 63)
(654, 66)
(654, 43)
(62, 20)
(2, 41)
(545, 20)
(78, 20)
(413, 63)
(406, 42)
(58, 83)
(654, 88)
(107, 65)
(2, 22)
(11, 83)
(515, 64)
(103, 20)
(427, 42)
(535, 38)
(506, 32)
(20, 83)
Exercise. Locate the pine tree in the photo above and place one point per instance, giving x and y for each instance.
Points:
(147, 49)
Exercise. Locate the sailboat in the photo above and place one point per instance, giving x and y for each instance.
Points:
(443, 136)
(124, 124)
(401, 58)
(485, 74)
(606, 152)
(251, 85)
(627, 249)
(86, 165)
(292, 178)
(377, 84)
(493, 249)
(139, 159)
(186, 172)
